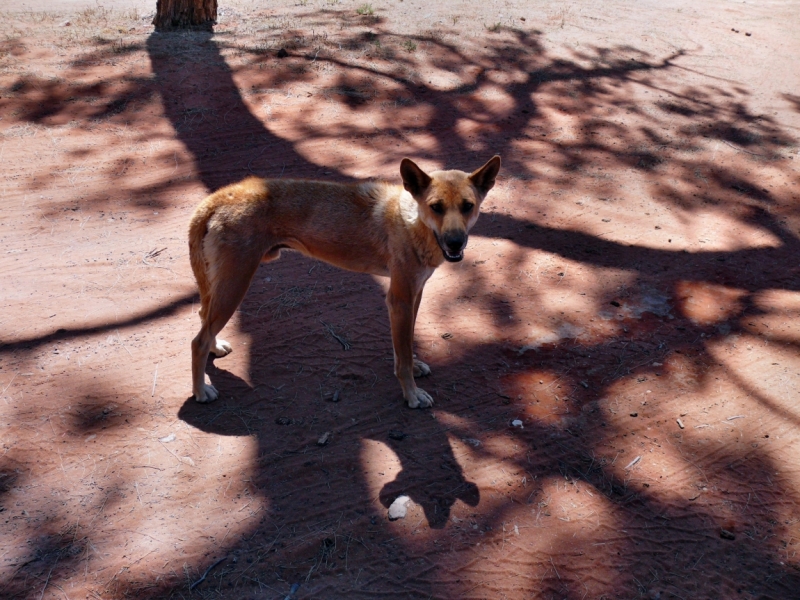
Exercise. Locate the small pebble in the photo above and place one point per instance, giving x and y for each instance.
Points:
(517, 423)
(324, 439)
(680, 423)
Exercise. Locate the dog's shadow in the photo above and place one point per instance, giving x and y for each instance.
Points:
(434, 485)
(430, 474)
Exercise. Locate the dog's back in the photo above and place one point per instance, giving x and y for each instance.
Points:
(343, 224)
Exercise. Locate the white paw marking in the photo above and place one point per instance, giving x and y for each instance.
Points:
(421, 369)
(420, 399)
(208, 394)
(222, 348)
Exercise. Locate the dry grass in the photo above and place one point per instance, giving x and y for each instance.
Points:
(410, 46)
(560, 16)
(283, 304)
(365, 10)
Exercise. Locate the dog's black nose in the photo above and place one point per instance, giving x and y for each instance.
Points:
(455, 241)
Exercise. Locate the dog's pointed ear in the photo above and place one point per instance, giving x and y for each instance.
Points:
(483, 178)
(415, 180)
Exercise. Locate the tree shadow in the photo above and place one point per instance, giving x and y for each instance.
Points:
(295, 369)
(132, 321)
(209, 115)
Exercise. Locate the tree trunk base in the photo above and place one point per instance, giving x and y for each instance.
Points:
(197, 15)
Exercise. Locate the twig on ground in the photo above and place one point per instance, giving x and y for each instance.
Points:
(119, 339)
(292, 591)
(152, 254)
(743, 150)
(155, 377)
(252, 159)
(554, 568)
(9, 384)
(345, 344)
(46, 581)
(208, 570)
(178, 458)
(633, 462)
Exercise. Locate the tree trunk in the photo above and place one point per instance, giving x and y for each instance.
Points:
(185, 14)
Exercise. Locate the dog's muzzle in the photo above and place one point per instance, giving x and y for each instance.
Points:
(452, 245)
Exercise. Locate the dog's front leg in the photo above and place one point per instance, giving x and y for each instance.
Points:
(420, 368)
(401, 302)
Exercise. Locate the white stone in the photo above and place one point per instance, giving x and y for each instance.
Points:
(398, 508)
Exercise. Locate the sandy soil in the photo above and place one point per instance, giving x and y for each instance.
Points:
(629, 296)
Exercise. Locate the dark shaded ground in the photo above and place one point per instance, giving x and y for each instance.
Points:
(633, 268)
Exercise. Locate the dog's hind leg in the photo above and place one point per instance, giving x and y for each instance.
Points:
(220, 347)
(232, 278)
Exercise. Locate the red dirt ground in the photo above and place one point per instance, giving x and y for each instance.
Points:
(630, 295)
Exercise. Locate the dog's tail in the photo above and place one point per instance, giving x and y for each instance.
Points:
(198, 227)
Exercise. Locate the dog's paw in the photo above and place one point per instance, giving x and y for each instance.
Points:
(208, 394)
(222, 348)
(421, 369)
(420, 399)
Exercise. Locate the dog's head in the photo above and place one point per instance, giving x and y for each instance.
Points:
(449, 201)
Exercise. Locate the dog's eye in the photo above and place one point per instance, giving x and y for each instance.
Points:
(438, 208)
(467, 206)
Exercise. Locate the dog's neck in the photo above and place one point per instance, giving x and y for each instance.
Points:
(427, 248)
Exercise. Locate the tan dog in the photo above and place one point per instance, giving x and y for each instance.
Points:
(371, 227)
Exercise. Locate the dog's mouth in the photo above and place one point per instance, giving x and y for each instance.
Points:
(453, 256)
